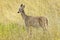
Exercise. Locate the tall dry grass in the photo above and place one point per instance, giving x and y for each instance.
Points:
(12, 26)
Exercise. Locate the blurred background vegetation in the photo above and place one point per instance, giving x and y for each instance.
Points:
(12, 25)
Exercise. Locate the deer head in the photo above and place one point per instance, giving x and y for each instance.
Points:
(21, 9)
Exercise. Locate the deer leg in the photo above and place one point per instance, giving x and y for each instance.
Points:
(28, 28)
(44, 29)
(29, 31)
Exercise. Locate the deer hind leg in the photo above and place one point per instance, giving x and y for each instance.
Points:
(44, 28)
(45, 31)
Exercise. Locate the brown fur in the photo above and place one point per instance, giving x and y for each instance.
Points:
(33, 21)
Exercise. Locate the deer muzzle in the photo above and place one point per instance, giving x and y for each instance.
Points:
(18, 12)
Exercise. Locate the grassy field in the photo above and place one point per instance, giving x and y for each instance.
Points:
(12, 25)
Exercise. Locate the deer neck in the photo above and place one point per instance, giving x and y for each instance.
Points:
(23, 14)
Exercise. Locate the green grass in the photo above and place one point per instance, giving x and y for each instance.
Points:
(16, 32)
(10, 31)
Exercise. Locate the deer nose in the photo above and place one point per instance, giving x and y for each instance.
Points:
(18, 12)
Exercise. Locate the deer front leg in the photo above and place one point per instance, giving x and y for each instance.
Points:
(28, 27)
(29, 31)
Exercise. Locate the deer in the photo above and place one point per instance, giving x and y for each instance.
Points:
(33, 21)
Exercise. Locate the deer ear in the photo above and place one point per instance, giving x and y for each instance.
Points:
(21, 5)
